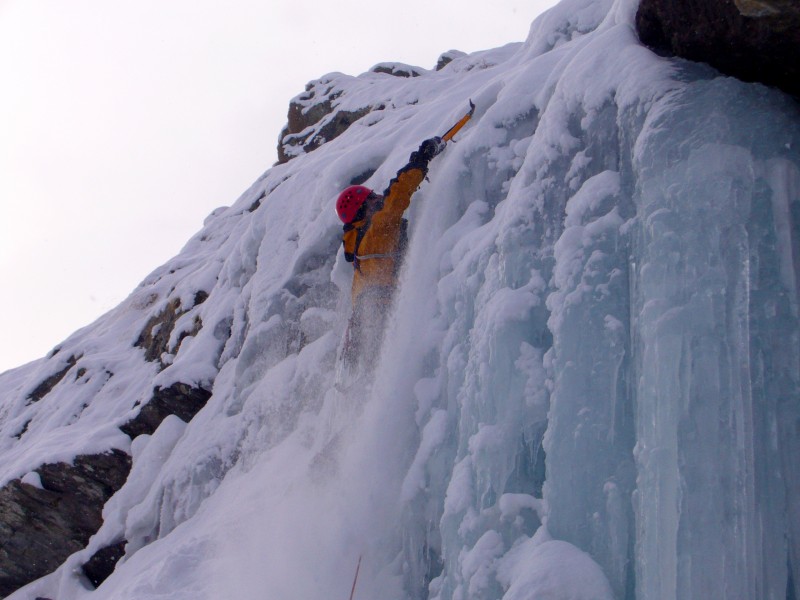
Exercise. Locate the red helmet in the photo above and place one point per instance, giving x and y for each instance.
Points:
(350, 201)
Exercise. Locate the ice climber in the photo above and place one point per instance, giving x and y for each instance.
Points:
(375, 236)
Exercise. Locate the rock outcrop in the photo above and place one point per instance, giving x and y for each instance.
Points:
(103, 562)
(46, 386)
(53, 511)
(753, 40)
(41, 526)
(397, 69)
(179, 399)
(313, 120)
(448, 57)
(155, 337)
(319, 114)
(316, 117)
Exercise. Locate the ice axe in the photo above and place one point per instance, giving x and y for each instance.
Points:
(461, 122)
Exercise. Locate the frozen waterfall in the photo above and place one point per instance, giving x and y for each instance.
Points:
(589, 386)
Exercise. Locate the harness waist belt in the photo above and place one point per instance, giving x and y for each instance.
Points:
(368, 256)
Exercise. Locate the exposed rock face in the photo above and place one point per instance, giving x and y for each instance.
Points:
(154, 338)
(41, 527)
(448, 57)
(296, 136)
(319, 114)
(314, 107)
(102, 564)
(754, 40)
(179, 399)
(396, 69)
(46, 386)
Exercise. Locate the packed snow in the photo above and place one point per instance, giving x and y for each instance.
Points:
(588, 385)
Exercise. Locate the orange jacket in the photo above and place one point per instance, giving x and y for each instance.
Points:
(376, 254)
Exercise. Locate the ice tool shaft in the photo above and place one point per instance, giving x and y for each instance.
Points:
(461, 122)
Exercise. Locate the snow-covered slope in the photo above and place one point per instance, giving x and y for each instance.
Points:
(588, 386)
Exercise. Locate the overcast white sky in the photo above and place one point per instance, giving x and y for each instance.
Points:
(124, 123)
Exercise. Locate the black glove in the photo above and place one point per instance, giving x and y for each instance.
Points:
(431, 148)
